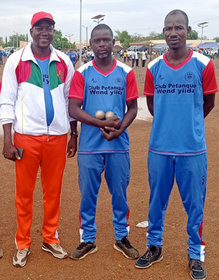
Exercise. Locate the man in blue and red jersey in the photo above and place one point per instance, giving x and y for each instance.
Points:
(73, 56)
(34, 99)
(108, 85)
(180, 88)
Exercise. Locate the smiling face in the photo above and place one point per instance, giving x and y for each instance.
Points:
(176, 31)
(42, 34)
(102, 43)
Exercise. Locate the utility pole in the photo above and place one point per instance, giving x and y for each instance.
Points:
(69, 39)
(17, 38)
(202, 25)
(86, 33)
(80, 31)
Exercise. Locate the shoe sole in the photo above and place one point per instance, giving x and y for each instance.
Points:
(54, 254)
(196, 278)
(160, 259)
(22, 264)
(85, 255)
(120, 250)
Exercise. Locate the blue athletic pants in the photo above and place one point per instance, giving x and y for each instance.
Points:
(117, 175)
(190, 173)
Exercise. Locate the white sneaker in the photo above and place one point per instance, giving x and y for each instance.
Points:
(20, 258)
(55, 249)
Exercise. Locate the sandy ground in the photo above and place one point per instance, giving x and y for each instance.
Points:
(108, 263)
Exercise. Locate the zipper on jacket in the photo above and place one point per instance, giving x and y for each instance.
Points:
(51, 96)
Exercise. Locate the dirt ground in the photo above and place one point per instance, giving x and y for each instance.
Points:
(107, 263)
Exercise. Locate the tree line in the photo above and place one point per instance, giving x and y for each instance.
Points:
(124, 37)
(59, 42)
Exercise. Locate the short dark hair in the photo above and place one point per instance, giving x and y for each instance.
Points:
(174, 12)
(101, 26)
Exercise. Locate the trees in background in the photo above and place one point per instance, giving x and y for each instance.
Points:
(59, 42)
(193, 35)
(125, 38)
(14, 40)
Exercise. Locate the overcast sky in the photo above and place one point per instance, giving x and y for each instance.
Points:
(136, 16)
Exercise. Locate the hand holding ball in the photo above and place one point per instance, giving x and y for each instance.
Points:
(108, 130)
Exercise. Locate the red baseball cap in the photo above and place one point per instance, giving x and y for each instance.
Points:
(41, 15)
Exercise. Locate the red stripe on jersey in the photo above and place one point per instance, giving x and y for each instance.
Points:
(42, 58)
(131, 86)
(149, 84)
(181, 64)
(107, 73)
(77, 86)
(209, 83)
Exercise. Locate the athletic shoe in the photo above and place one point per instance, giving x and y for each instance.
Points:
(55, 249)
(126, 248)
(83, 250)
(1, 253)
(197, 270)
(152, 255)
(20, 258)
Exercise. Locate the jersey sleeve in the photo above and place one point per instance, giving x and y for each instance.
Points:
(149, 84)
(209, 83)
(77, 86)
(131, 86)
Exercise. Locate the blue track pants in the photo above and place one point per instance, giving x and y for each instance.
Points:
(190, 173)
(117, 174)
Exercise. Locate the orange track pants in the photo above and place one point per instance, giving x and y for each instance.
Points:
(48, 152)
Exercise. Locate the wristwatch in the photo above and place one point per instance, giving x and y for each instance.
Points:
(74, 133)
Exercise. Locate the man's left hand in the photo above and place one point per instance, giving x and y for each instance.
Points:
(110, 133)
(72, 146)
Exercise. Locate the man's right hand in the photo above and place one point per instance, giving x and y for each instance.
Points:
(10, 152)
(112, 122)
